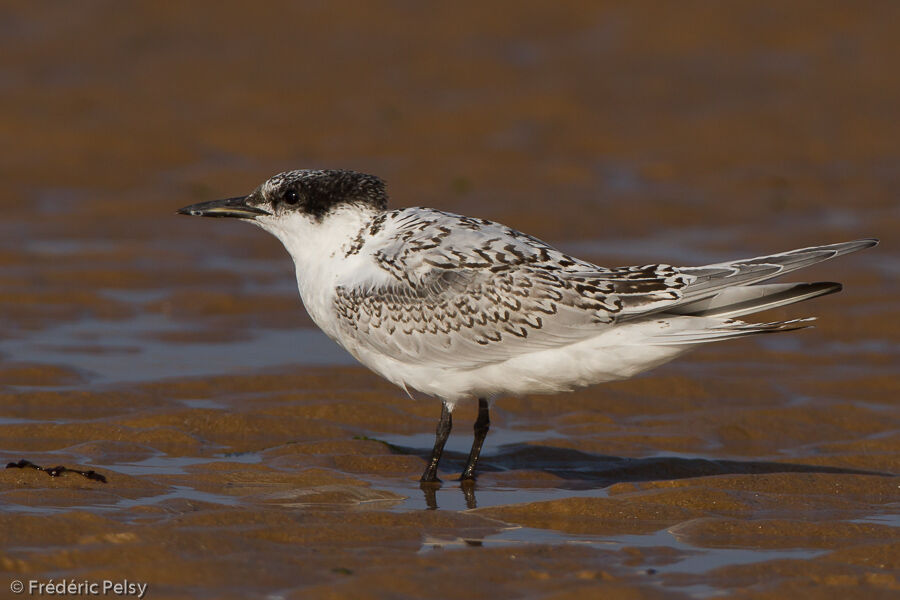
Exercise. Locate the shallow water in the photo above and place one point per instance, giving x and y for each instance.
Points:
(130, 351)
(247, 456)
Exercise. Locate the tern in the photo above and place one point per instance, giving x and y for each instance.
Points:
(467, 309)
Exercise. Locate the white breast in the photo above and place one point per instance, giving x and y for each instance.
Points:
(321, 259)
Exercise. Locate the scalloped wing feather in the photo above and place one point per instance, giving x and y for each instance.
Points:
(466, 292)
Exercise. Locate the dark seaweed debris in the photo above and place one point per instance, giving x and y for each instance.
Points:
(56, 471)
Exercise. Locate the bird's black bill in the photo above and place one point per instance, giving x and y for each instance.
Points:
(230, 207)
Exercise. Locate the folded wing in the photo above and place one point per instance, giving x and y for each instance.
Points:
(463, 292)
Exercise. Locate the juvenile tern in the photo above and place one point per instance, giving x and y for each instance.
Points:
(461, 308)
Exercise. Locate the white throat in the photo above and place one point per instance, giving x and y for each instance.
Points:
(319, 251)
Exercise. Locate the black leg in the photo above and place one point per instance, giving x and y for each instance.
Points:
(440, 438)
(482, 425)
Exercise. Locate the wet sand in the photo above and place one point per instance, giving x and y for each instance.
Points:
(248, 457)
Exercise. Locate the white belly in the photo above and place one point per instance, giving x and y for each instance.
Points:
(612, 355)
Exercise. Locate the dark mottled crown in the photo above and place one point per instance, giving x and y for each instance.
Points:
(318, 192)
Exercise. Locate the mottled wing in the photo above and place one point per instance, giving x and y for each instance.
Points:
(709, 281)
(464, 292)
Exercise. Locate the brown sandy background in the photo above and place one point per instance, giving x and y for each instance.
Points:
(247, 457)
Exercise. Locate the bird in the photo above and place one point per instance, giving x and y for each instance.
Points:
(464, 309)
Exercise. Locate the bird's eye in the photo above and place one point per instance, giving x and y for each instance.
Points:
(291, 197)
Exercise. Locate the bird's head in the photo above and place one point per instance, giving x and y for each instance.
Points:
(297, 196)
(314, 213)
